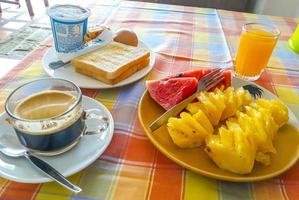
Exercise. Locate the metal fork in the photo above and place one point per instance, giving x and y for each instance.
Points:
(207, 82)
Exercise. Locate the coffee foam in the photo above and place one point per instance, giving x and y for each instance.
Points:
(44, 105)
(44, 127)
(51, 124)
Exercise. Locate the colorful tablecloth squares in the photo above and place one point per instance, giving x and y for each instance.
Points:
(132, 168)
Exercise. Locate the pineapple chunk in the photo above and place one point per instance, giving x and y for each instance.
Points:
(193, 123)
(245, 96)
(218, 99)
(270, 125)
(230, 102)
(178, 137)
(204, 121)
(231, 150)
(262, 136)
(209, 108)
(181, 134)
(186, 132)
(247, 124)
(279, 111)
(234, 101)
(226, 137)
(263, 139)
(193, 107)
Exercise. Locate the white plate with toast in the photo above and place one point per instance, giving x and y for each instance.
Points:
(68, 72)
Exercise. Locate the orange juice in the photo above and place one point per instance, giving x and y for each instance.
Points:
(255, 48)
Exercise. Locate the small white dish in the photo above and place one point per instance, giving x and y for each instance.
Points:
(68, 72)
(88, 149)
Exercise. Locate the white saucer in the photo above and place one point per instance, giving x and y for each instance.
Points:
(68, 72)
(83, 154)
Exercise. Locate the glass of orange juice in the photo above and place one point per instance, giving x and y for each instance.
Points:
(257, 42)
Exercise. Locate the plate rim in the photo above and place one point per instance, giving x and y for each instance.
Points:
(147, 70)
(81, 165)
(242, 178)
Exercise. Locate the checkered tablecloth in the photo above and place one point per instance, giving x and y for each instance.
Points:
(182, 38)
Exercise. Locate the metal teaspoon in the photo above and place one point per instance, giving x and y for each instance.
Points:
(39, 164)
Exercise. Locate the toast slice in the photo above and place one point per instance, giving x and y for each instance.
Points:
(94, 73)
(112, 63)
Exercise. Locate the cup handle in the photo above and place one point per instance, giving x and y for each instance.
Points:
(98, 115)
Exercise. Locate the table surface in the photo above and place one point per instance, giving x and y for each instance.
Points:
(182, 38)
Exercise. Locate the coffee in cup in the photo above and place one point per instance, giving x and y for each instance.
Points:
(44, 105)
(48, 115)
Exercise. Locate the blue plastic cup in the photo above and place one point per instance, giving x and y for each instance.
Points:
(69, 26)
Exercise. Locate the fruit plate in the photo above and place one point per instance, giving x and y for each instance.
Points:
(286, 142)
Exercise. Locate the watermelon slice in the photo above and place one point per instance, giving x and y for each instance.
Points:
(199, 73)
(170, 92)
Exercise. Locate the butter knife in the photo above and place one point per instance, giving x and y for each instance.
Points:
(171, 112)
(57, 64)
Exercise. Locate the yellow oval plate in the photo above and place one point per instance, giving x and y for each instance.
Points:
(286, 142)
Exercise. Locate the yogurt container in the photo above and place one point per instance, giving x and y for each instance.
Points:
(69, 26)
